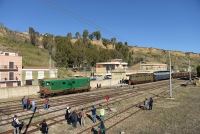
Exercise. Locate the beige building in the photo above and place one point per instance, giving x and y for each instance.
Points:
(10, 69)
(114, 69)
(31, 75)
(150, 66)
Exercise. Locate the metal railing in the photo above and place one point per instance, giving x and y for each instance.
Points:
(8, 67)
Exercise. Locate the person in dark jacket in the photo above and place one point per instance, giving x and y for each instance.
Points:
(74, 118)
(67, 115)
(150, 104)
(44, 127)
(93, 113)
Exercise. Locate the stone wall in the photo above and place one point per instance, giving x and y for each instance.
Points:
(10, 92)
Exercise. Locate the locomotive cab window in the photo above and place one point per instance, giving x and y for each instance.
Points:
(48, 83)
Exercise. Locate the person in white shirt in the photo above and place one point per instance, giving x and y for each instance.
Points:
(33, 105)
(16, 128)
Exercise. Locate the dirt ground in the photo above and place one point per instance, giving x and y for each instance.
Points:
(179, 115)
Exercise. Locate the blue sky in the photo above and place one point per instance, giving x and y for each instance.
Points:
(163, 24)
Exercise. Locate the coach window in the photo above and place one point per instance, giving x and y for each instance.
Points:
(63, 82)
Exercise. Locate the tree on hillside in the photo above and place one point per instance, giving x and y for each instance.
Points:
(126, 44)
(33, 36)
(97, 35)
(63, 50)
(113, 40)
(91, 36)
(49, 43)
(69, 35)
(78, 35)
(198, 70)
(85, 34)
(105, 42)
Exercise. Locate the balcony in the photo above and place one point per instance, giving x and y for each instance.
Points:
(8, 68)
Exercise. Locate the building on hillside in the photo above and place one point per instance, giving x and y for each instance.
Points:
(31, 75)
(10, 69)
(150, 66)
(113, 69)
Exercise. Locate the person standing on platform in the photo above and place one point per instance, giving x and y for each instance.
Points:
(46, 104)
(28, 103)
(93, 114)
(44, 127)
(102, 113)
(16, 125)
(24, 103)
(33, 105)
(150, 104)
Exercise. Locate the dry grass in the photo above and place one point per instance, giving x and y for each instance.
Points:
(169, 116)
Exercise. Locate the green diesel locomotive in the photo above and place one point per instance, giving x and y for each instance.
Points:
(50, 87)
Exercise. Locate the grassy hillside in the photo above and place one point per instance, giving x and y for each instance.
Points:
(35, 56)
(32, 55)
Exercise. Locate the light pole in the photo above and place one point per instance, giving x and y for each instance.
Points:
(170, 83)
(110, 74)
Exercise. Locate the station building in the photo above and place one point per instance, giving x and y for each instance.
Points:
(115, 68)
(150, 66)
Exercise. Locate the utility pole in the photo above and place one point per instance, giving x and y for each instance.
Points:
(111, 74)
(86, 68)
(170, 83)
(189, 70)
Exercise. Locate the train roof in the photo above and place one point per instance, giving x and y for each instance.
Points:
(69, 78)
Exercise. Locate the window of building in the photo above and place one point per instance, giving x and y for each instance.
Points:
(11, 64)
(19, 83)
(28, 74)
(6, 54)
(52, 74)
(40, 74)
(9, 84)
(11, 75)
(28, 82)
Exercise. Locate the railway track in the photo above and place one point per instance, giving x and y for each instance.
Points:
(33, 127)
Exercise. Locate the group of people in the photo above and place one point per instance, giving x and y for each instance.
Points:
(27, 104)
(18, 126)
(73, 117)
(148, 104)
(98, 85)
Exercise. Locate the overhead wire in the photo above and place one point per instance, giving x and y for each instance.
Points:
(59, 8)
